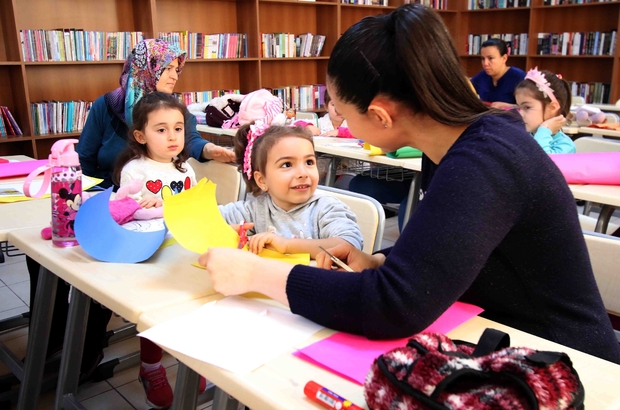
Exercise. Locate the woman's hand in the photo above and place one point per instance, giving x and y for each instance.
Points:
(349, 254)
(314, 130)
(150, 203)
(217, 153)
(230, 269)
(267, 240)
(555, 124)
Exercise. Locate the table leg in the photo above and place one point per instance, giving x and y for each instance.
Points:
(603, 218)
(71, 359)
(41, 323)
(185, 389)
(413, 197)
(223, 401)
(330, 178)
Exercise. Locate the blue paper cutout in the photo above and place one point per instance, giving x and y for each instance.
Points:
(105, 240)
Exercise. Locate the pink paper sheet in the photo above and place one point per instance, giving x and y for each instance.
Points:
(15, 169)
(351, 356)
(601, 168)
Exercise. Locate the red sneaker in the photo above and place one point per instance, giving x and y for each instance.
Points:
(202, 386)
(157, 389)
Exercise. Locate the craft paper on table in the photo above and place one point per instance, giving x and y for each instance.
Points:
(601, 168)
(14, 191)
(105, 240)
(293, 258)
(235, 333)
(19, 168)
(350, 356)
(195, 220)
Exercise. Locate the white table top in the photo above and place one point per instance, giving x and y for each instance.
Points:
(602, 194)
(607, 107)
(215, 130)
(599, 131)
(128, 289)
(360, 154)
(279, 384)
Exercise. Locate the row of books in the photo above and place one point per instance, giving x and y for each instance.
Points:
(496, 4)
(366, 2)
(52, 117)
(302, 97)
(8, 125)
(434, 4)
(594, 43)
(561, 2)
(192, 97)
(208, 46)
(77, 44)
(593, 93)
(515, 43)
(283, 45)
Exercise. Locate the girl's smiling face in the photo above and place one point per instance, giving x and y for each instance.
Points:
(291, 175)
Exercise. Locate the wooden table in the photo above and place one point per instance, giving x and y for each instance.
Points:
(167, 278)
(606, 195)
(279, 383)
(615, 134)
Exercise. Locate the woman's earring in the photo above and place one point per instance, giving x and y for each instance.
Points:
(385, 125)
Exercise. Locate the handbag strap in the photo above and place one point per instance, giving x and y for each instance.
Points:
(490, 341)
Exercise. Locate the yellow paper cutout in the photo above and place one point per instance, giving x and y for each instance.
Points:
(375, 151)
(293, 258)
(195, 221)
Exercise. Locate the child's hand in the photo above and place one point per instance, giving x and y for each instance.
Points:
(314, 130)
(151, 203)
(230, 269)
(555, 124)
(332, 133)
(261, 240)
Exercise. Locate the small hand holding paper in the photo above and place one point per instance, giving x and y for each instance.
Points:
(269, 240)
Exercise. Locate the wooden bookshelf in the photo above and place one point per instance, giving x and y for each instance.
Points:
(27, 82)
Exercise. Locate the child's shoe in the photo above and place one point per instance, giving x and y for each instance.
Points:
(157, 389)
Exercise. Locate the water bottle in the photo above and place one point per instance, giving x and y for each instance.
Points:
(63, 174)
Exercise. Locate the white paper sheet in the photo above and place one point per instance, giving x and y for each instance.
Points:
(235, 333)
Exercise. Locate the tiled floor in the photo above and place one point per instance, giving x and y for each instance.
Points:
(123, 391)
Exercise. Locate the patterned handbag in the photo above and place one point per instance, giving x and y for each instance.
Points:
(435, 372)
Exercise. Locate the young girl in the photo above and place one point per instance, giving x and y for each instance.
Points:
(544, 99)
(156, 155)
(279, 168)
(332, 124)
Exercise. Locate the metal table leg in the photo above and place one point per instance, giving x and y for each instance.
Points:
(37, 340)
(223, 401)
(603, 218)
(186, 389)
(413, 197)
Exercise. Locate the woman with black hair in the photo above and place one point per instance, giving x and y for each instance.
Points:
(496, 83)
(489, 230)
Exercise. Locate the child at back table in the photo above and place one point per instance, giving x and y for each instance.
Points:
(332, 124)
(279, 167)
(544, 100)
(156, 155)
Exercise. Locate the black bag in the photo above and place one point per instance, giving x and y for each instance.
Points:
(217, 113)
(434, 372)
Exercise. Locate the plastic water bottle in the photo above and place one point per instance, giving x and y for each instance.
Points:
(63, 174)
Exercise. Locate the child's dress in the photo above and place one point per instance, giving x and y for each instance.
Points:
(159, 179)
(321, 217)
(325, 125)
(559, 143)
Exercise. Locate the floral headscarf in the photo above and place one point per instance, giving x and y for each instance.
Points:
(141, 73)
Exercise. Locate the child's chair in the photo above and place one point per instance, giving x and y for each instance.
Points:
(308, 117)
(369, 213)
(604, 253)
(230, 185)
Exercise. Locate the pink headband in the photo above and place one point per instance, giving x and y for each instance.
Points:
(541, 82)
(256, 130)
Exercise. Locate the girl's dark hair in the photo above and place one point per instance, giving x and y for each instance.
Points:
(496, 42)
(262, 146)
(134, 150)
(407, 56)
(561, 90)
(326, 98)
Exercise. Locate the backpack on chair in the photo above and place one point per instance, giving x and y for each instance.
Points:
(257, 105)
(222, 109)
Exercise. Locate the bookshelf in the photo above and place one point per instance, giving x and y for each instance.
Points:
(28, 82)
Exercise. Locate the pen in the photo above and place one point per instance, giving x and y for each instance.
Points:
(337, 261)
(327, 398)
(243, 235)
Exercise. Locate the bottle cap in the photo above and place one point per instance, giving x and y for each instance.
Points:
(63, 153)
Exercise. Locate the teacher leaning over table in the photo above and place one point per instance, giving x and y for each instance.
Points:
(489, 231)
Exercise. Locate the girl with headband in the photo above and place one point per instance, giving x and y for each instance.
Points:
(278, 165)
(544, 99)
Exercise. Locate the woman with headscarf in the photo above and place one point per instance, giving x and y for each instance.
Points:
(153, 65)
